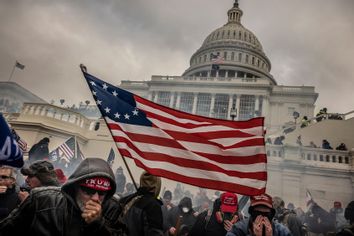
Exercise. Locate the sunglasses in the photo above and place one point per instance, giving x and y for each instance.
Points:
(90, 191)
(4, 177)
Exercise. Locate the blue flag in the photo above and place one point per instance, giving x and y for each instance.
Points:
(10, 153)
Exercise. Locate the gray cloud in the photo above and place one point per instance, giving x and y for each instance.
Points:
(308, 42)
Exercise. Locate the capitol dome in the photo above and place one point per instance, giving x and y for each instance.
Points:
(239, 51)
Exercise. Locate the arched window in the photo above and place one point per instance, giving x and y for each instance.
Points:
(240, 57)
(252, 60)
(232, 56)
(246, 58)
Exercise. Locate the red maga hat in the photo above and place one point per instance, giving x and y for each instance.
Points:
(228, 202)
(97, 183)
(263, 199)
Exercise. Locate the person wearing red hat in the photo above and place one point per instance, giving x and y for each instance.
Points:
(338, 212)
(61, 176)
(260, 221)
(76, 208)
(219, 220)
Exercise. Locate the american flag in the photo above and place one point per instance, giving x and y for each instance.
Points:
(205, 152)
(217, 59)
(67, 149)
(21, 143)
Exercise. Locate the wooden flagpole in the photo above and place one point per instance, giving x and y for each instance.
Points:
(84, 70)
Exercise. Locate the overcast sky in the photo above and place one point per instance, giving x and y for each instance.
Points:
(308, 42)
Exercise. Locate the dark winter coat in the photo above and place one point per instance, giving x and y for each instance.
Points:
(8, 201)
(138, 214)
(207, 225)
(188, 218)
(53, 210)
(241, 229)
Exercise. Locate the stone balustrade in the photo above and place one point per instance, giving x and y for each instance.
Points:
(313, 154)
(157, 78)
(58, 113)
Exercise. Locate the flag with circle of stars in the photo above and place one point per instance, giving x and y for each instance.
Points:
(115, 103)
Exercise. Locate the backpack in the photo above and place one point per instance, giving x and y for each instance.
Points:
(124, 209)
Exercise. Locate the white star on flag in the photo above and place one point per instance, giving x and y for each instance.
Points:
(107, 109)
(135, 112)
(115, 93)
(93, 83)
(99, 102)
(117, 115)
(105, 86)
(209, 153)
(94, 93)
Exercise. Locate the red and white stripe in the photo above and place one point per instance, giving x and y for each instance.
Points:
(201, 151)
(67, 151)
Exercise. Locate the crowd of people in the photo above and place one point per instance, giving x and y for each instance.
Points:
(89, 203)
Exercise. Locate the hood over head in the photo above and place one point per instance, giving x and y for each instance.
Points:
(185, 202)
(150, 182)
(89, 168)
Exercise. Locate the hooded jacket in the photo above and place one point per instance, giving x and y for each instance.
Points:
(188, 219)
(140, 213)
(53, 210)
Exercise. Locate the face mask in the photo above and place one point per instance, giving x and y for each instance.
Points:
(185, 209)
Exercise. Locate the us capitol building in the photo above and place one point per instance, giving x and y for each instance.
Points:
(241, 88)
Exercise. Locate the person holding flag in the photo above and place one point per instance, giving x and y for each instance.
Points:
(205, 152)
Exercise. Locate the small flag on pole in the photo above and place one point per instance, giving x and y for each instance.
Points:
(216, 60)
(10, 153)
(201, 151)
(111, 157)
(21, 143)
(309, 199)
(19, 65)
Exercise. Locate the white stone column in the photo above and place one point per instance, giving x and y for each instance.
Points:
(212, 105)
(256, 105)
(230, 107)
(178, 101)
(155, 98)
(194, 109)
(172, 98)
(149, 96)
(265, 106)
(238, 106)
